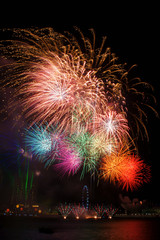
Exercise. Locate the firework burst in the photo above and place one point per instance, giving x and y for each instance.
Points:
(100, 209)
(69, 160)
(126, 169)
(112, 125)
(78, 210)
(83, 142)
(43, 143)
(64, 209)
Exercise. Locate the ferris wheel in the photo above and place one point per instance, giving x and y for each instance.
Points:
(85, 197)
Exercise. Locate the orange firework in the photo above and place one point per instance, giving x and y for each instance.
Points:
(126, 169)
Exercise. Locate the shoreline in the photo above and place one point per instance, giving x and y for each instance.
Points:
(60, 218)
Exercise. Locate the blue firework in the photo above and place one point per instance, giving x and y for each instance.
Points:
(43, 143)
(38, 141)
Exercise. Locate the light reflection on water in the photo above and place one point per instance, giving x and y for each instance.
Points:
(133, 229)
(115, 229)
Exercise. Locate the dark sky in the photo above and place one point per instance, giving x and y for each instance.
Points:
(132, 32)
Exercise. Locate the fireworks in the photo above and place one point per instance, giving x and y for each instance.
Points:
(78, 210)
(50, 91)
(100, 209)
(110, 211)
(64, 209)
(83, 144)
(38, 141)
(79, 91)
(113, 125)
(69, 161)
(126, 169)
(42, 143)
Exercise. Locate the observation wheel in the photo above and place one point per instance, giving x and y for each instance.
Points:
(85, 197)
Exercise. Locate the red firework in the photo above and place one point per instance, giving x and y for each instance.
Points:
(134, 173)
(128, 170)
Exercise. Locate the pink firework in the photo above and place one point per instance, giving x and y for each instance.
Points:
(69, 161)
(54, 86)
(49, 90)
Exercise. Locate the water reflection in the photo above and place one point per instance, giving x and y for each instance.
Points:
(121, 229)
(95, 229)
(130, 230)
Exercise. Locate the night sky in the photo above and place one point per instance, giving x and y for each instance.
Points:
(132, 33)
